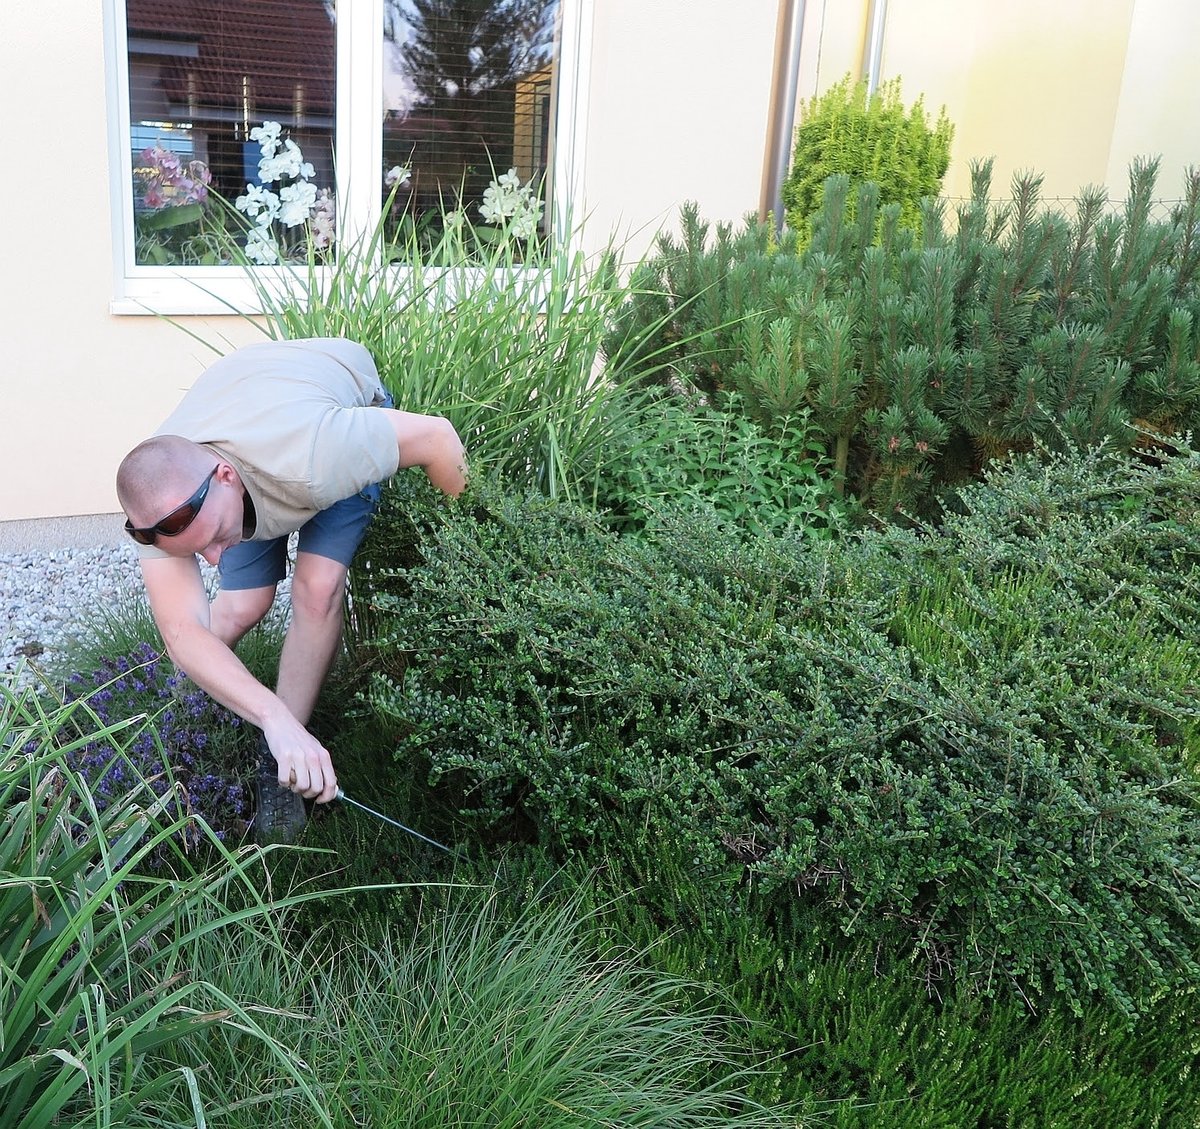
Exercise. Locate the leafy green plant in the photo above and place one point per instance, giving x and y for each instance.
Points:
(682, 454)
(978, 738)
(866, 136)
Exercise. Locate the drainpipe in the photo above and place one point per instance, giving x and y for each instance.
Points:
(873, 52)
(785, 82)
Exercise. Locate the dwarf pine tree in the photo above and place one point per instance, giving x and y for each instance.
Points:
(1000, 328)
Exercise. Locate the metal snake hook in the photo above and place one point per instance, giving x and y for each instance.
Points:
(395, 823)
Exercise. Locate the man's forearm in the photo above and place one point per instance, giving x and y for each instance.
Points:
(221, 674)
(449, 475)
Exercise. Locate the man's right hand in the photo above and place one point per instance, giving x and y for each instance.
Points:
(303, 762)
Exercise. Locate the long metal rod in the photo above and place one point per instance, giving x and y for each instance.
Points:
(873, 51)
(785, 85)
(395, 823)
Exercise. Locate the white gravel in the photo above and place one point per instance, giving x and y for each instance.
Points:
(47, 599)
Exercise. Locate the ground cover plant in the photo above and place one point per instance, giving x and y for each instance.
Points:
(856, 1040)
(978, 737)
(185, 744)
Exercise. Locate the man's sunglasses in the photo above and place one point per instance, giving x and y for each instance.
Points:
(177, 520)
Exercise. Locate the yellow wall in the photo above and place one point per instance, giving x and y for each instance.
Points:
(78, 386)
(1158, 108)
(676, 108)
(1034, 85)
(678, 111)
(1071, 89)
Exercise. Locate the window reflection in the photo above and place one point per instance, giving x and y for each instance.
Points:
(202, 75)
(467, 97)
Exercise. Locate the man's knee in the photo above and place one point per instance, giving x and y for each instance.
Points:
(318, 587)
(234, 613)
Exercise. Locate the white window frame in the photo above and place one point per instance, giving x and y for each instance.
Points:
(168, 290)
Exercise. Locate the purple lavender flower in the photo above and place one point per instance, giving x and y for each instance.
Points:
(177, 737)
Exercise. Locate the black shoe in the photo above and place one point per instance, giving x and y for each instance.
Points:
(279, 814)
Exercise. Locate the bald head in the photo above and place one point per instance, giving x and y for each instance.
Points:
(158, 474)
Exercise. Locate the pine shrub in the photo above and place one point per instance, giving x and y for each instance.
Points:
(1003, 328)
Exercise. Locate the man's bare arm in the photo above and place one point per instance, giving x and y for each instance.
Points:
(181, 610)
(431, 443)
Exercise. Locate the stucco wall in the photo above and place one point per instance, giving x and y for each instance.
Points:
(677, 102)
(678, 111)
(1073, 89)
(78, 387)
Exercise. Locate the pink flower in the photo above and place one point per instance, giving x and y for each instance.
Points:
(198, 171)
(165, 160)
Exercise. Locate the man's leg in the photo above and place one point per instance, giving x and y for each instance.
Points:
(234, 613)
(249, 572)
(318, 591)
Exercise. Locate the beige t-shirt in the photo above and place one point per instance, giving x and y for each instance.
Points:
(292, 418)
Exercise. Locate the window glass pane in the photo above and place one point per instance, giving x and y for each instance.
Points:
(467, 100)
(205, 74)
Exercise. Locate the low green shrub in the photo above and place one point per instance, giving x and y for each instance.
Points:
(979, 738)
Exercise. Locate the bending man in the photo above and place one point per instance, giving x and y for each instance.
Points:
(276, 437)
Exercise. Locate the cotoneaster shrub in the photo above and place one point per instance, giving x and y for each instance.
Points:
(978, 738)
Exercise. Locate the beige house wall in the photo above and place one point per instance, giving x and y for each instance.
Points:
(1071, 89)
(676, 107)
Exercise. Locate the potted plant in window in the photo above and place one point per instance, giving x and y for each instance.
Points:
(174, 223)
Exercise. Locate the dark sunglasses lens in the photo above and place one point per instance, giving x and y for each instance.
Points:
(141, 536)
(177, 520)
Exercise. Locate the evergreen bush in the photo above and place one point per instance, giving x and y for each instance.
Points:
(1011, 328)
(978, 738)
(866, 137)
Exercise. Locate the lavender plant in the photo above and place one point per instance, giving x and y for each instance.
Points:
(184, 731)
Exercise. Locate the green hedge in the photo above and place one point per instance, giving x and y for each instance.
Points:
(978, 738)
